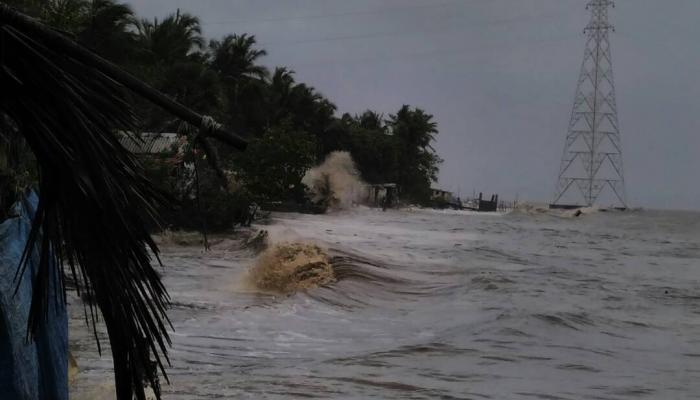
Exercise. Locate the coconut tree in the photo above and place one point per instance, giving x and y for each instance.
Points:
(279, 94)
(308, 109)
(236, 59)
(104, 26)
(175, 38)
(371, 120)
(107, 28)
(169, 57)
(66, 15)
(417, 163)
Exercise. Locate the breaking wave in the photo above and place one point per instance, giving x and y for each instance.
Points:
(336, 183)
(289, 267)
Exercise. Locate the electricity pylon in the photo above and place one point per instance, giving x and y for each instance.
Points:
(591, 167)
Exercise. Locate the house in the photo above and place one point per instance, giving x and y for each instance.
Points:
(147, 143)
(441, 195)
(481, 204)
(165, 149)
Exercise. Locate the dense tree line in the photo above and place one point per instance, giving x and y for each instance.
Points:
(290, 124)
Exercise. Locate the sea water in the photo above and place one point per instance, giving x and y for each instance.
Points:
(438, 305)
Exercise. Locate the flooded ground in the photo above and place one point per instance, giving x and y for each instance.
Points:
(439, 305)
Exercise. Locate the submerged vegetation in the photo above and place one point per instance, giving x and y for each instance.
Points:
(290, 125)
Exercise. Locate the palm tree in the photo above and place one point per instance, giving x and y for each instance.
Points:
(417, 164)
(33, 8)
(280, 91)
(103, 26)
(414, 127)
(235, 58)
(169, 57)
(174, 39)
(309, 110)
(372, 121)
(65, 15)
(301, 105)
(107, 28)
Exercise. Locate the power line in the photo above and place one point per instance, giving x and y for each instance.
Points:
(335, 15)
(404, 33)
(424, 54)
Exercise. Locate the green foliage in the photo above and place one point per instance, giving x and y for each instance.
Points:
(18, 170)
(174, 39)
(234, 59)
(273, 165)
(372, 148)
(292, 125)
(298, 104)
(68, 114)
(66, 15)
(104, 26)
(398, 150)
(215, 209)
(418, 165)
(208, 206)
(107, 28)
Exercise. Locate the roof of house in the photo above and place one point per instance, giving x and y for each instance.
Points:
(150, 142)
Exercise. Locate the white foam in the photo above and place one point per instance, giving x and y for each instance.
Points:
(336, 181)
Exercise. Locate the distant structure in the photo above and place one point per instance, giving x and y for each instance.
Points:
(480, 204)
(591, 167)
(441, 195)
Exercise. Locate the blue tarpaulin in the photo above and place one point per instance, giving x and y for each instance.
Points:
(36, 369)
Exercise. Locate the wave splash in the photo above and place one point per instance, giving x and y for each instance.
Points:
(336, 183)
(289, 267)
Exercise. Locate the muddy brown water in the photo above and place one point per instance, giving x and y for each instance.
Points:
(439, 305)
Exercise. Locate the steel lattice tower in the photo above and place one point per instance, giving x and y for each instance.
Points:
(591, 167)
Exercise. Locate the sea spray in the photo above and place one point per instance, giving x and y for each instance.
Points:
(288, 267)
(336, 183)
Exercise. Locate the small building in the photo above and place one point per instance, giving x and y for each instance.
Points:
(441, 195)
(481, 204)
(151, 143)
(164, 149)
(488, 205)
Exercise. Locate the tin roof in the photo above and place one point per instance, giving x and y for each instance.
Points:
(150, 142)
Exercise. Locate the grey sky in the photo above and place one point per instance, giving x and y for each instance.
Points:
(499, 76)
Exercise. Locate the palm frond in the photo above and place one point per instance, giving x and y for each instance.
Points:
(94, 202)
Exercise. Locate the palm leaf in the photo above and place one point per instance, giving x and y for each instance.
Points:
(94, 201)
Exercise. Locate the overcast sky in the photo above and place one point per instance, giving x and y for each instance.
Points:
(498, 75)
